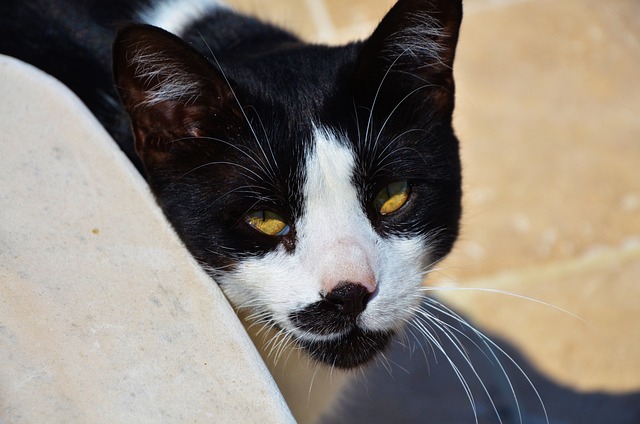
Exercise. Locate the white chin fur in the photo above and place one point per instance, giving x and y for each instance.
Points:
(335, 242)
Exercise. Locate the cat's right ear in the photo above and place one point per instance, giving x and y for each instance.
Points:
(172, 93)
(413, 46)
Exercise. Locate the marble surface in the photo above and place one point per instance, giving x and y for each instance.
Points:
(104, 316)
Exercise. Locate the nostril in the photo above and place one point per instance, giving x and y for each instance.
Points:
(350, 298)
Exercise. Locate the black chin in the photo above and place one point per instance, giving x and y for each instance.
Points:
(354, 349)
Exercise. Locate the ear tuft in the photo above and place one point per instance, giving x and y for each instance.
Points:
(420, 33)
(420, 42)
(163, 79)
(412, 47)
(172, 93)
(152, 66)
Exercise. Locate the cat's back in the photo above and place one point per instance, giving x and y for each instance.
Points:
(31, 29)
(72, 41)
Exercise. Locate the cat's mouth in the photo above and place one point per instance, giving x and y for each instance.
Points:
(353, 349)
(333, 336)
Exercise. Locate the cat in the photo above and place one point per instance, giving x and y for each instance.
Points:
(317, 185)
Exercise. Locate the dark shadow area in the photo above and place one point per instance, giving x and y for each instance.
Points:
(423, 388)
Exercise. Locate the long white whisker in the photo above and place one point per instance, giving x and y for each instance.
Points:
(246, 118)
(507, 293)
(489, 344)
(233, 93)
(420, 311)
(266, 136)
(375, 99)
(384, 361)
(388, 149)
(449, 333)
(419, 325)
(268, 173)
(424, 352)
(396, 108)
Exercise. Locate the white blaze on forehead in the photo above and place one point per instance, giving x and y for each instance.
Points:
(336, 240)
(329, 175)
(336, 243)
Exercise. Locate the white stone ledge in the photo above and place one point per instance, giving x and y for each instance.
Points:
(104, 316)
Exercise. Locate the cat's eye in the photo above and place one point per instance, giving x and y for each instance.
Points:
(267, 222)
(392, 197)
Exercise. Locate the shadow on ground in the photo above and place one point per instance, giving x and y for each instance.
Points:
(423, 388)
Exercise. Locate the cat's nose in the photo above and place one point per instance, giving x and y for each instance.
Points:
(349, 298)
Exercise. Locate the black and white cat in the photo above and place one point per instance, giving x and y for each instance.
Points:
(318, 185)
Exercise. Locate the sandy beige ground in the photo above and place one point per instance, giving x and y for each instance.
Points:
(548, 103)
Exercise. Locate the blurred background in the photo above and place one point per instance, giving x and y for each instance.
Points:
(548, 114)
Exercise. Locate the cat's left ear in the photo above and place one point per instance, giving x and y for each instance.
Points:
(174, 95)
(413, 46)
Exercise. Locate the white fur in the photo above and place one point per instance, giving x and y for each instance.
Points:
(177, 85)
(336, 243)
(421, 40)
(176, 15)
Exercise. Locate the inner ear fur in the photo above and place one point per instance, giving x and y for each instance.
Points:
(413, 46)
(172, 93)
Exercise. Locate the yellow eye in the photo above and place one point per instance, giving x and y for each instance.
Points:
(267, 222)
(392, 197)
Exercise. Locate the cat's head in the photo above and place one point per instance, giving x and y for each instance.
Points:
(318, 185)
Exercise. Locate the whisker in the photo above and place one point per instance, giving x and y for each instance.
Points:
(273, 161)
(490, 344)
(270, 163)
(387, 150)
(384, 124)
(268, 173)
(508, 293)
(449, 333)
(375, 99)
(420, 326)
(224, 75)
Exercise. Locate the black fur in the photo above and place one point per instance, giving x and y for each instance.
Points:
(239, 144)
